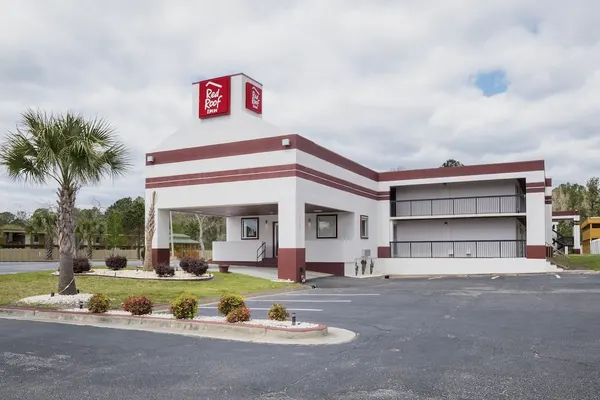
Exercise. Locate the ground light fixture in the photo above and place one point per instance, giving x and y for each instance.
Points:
(81, 304)
(293, 318)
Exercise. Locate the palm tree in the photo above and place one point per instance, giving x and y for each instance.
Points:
(89, 226)
(72, 152)
(44, 221)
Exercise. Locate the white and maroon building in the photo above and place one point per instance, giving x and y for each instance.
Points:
(295, 205)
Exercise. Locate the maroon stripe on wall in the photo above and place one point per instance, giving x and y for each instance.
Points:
(548, 182)
(535, 190)
(270, 172)
(468, 170)
(538, 252)
(301, 143)
(564, 213)
(535, 184)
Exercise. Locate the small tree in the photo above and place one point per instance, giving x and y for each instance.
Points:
(150, 228)
(43, 221)
(115, 233)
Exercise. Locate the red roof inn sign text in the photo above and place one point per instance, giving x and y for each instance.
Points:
(215, 97)
(253, 98)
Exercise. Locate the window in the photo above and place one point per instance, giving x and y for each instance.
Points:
(327, 226)
(249, 228)
(364, 227)
(97, 239)
(36, 239)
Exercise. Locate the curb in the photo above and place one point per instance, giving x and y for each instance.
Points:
(207, 328)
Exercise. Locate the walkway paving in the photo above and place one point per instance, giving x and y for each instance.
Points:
(270, 273)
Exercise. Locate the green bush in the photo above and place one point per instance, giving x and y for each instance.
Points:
(184, 307)
(278, 312)
(229, 303)
(141, 305)
(115, 262)
(81, 265)
(239, 314)
(99, 303)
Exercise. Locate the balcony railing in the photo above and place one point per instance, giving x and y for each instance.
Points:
(503, 204)
(459, 249)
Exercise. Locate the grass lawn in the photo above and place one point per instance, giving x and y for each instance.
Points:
(14, 287)
(585, 261)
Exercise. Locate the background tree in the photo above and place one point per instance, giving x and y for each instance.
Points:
(132, 212)
(90, 225)
(115, 232)
(43, 220)
(573, 196)
(71, 152)
(451, 162)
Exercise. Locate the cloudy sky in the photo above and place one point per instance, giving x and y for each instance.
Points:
(478, 81)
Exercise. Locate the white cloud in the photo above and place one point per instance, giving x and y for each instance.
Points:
(335, 71)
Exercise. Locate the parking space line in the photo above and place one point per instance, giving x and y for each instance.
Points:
(333, 294)
(298, 301)
(267, 309)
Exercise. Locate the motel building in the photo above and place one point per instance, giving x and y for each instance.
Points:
(294, 205)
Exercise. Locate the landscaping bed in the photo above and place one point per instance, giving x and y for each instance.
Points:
(140, 274)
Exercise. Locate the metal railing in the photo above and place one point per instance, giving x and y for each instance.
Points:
(261, 251)
(459, 249)
(503, 204)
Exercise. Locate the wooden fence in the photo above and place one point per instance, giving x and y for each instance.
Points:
(16, 255)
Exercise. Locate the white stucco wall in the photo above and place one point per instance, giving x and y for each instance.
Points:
(453, 190)
(455, 266)
(457, 229)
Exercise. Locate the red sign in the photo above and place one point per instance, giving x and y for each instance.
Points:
(215, 97)
(253, 98)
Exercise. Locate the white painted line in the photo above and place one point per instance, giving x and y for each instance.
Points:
(300, 301)
(267, 309)
(435, 277)
(333, 294)
(557, 276)
(495, 277)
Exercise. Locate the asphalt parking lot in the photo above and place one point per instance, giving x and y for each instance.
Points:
(478, 338)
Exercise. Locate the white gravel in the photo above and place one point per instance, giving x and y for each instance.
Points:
(57, 299)
(140, 274)
(263, 322)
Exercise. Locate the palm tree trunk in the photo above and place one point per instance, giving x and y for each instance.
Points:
(90, 250)
(66, 239)
(49, 244)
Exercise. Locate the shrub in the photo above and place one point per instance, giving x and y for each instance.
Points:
(163, 270)
(184, 307)
(81, 265)
(141, 305)
(278, 312)
(240, 314)
(229, 303)
(115, 262)
(99, 303)
(184, 263)
(197, 266)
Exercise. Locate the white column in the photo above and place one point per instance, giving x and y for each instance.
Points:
(576, 235)
(292, 234)
(384, 233)
(536, 220)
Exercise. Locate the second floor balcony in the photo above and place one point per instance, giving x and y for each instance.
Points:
(479, 205)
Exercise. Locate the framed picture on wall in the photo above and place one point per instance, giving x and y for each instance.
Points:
(327, 226)
(249, 228)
